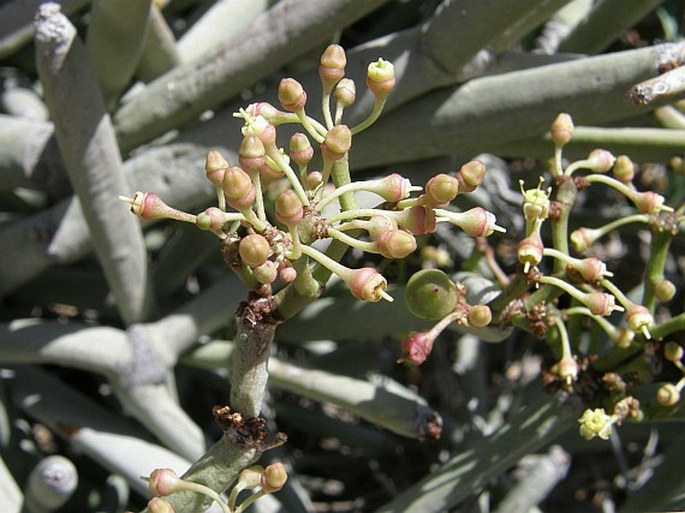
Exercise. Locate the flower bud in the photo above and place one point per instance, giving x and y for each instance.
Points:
(476, 222)
(583, 238)
(147, 205)
(313, 180)
(562, 129)
(673, 351)
(215, 165)
(417, 347)
(530, 251)
(595, 423)
(236, 183)
(668, 395)
(345, 92)
(287, 274)
(639, 319)
(377, 225)
(600, 161)
(254, 249)
(479, 316)
(624, 338)
(212, 219)
(624, 169)
(392, 188)
(332, 67)
(337, 142)
(567, 370)
(470, 175)
(288, 206)
(649, 202)
(251, 477)
(157, 505)
(164, 481)
(430, 294)
(441, 189)
(367, 284)
(301, 151)
(380, 78)
(600, 303)
(291, 94)
(396, 244)
(590, 269)
(418, 220)
(266, 273)
(274, 477)
(251, 155)
(664, 290)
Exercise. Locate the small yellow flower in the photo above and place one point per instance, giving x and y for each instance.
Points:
(595, 423)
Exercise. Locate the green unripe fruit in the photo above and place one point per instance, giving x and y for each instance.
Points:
(431, 294)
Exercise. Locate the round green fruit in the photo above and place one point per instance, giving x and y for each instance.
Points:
(430, 294)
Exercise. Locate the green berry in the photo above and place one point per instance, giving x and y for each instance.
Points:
(431, 294)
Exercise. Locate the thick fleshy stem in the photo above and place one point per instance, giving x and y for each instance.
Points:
(659, 251)
(565, 198)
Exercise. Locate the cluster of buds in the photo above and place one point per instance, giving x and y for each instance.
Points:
(163, 482)
(268, 241)
(431, 294)
(669, 393)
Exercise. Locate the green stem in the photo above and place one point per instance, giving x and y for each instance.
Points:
(565, 198)
(377, 109)
(367, 247)
(661, 242)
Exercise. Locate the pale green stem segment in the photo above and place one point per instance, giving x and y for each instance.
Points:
(377, 109)
(368, 247)
(289, 173)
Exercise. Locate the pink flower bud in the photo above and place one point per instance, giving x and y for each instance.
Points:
(380, 78)
(313, 180)
(236, 183)
(392, 188)
(367, 284)
(266, 273)
(441, 189)
(590, 269)
(479, 316)
(332, 67)
(254, 249)
(418, 220)
(530, 251)
(157, 505)
(147, 205)
(476, 222)
(417, 347)
(164, 481)
(639, 319)
(624, 169)
(289, 209)
(600, 303)
(337, 142)
(251, 155)
(600, 161)
(567, 370)
(291, 94)
(212, 219)
(215, 165)
(345, 92)
(377, 225)
(562, 129)
(470, 175)
(274, 477)
(287, 275)
(396, 244)
(301, 151)
(649, 202)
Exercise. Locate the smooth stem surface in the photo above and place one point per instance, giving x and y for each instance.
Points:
(659, 250)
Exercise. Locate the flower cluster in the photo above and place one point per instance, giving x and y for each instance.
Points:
(269, 242)
(164, 481)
